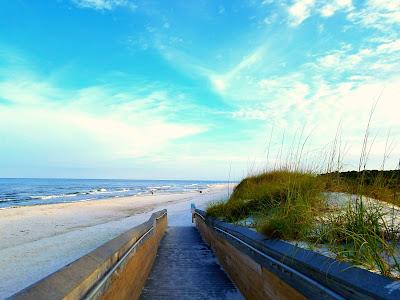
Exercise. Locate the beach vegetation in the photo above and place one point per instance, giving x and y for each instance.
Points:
(293, 203)
(294, 206)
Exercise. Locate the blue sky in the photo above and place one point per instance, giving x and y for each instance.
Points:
(193, 89)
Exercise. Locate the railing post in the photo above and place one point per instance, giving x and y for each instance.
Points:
(192, 208)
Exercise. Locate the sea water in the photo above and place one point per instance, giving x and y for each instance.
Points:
(23, 192)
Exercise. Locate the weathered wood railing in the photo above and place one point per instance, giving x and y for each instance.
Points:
(116, 270)
(273, 269)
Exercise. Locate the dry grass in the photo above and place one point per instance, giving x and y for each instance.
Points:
(289, 205)
(381, 185)
(282, 203)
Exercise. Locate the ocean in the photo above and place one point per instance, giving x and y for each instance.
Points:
(24, 192)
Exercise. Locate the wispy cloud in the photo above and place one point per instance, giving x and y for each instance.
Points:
(105, 4)
(382, 58)
(212, 78)
(221, 82)
(322, 110)
(117, 123)
(377, 14)
(330, 9)
(311, 95)
(300, 10)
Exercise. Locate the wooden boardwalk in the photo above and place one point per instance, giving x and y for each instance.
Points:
(185, 268)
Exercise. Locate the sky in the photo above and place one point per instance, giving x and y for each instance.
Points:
(205, 89)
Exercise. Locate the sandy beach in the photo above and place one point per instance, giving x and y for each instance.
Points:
(38, 240)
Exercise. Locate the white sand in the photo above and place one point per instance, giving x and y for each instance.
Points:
(339, 201)
(38, 240)
(390, 212)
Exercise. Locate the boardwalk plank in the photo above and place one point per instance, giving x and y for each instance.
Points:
(185, 268)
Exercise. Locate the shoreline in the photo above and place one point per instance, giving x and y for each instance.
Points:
(15, 193)
(38, 240)
(211, 186)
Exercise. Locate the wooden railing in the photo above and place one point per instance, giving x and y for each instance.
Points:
(273, 269)
(116, 270)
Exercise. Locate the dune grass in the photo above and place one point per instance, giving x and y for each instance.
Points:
(377, 184)
(289, 202)
(291, 205)
(359, 235)
(282, 203)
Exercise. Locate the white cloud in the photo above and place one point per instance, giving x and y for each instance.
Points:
(338, 84)
(389, 47)
(300, 10)
(377, 14)
(328, 10)
(341, 61)
(219, 83)
(91, 124)
(251, 114)
(330, 60)
(105, 4)
(321, 112)
(232, 82)
(383, 57)
(331, 8)
(224, 82)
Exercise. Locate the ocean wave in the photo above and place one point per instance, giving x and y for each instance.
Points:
(99, 191)
(47, 197)
(36, 192)
(96, 191)
(10, 193)
(76, 194)
(162, 187)
(7, 199)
